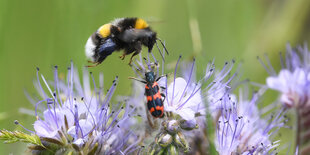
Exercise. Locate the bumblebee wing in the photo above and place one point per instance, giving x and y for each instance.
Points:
(106, 49)
(131, 35)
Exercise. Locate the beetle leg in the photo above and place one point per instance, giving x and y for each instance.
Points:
(163, 95)
(161, 77)
(149, 118)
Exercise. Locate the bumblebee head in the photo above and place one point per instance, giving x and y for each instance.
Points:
(149, 40)
(150, 77)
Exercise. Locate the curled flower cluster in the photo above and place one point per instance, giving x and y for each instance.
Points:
(80, 120)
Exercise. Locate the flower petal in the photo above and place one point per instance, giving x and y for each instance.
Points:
(186, 113)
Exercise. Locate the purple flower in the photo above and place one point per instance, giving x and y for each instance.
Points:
(74, 115)
(294, 87)
(293, 80)
(218, 88)
(240, 129)
(184, 99)
(183, 96)
(183, 103)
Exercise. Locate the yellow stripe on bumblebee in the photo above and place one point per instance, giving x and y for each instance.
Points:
(105, 30)
(141, 24)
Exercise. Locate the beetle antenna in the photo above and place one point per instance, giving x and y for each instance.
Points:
(133, 78)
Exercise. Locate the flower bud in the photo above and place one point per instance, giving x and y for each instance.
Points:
(180, 140)
(164, 139)
(172, 127)
(189, 124)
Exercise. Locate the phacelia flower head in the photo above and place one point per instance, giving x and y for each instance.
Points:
(218, 87)
(184, 96)
(76, 119)
(184, 102)
(240, 129)
(293, 80)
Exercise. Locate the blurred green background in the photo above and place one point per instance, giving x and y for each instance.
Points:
(43, 33)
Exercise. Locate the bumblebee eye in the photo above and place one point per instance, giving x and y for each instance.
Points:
(151, 42)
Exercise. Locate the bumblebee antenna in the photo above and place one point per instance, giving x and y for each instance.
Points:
(163, 45)
(160, 51)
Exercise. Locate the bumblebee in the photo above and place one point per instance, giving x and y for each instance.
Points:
(128, 34)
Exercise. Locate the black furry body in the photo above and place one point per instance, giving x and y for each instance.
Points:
(123, 36)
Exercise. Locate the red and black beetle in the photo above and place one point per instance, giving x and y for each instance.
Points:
(153, 96)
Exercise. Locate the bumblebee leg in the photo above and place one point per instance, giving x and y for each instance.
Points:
(94, 64)
(134, 54)
(123, 56)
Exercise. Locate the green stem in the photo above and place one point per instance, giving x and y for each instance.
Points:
(173, 150)
(298, 130)
(163, 151)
